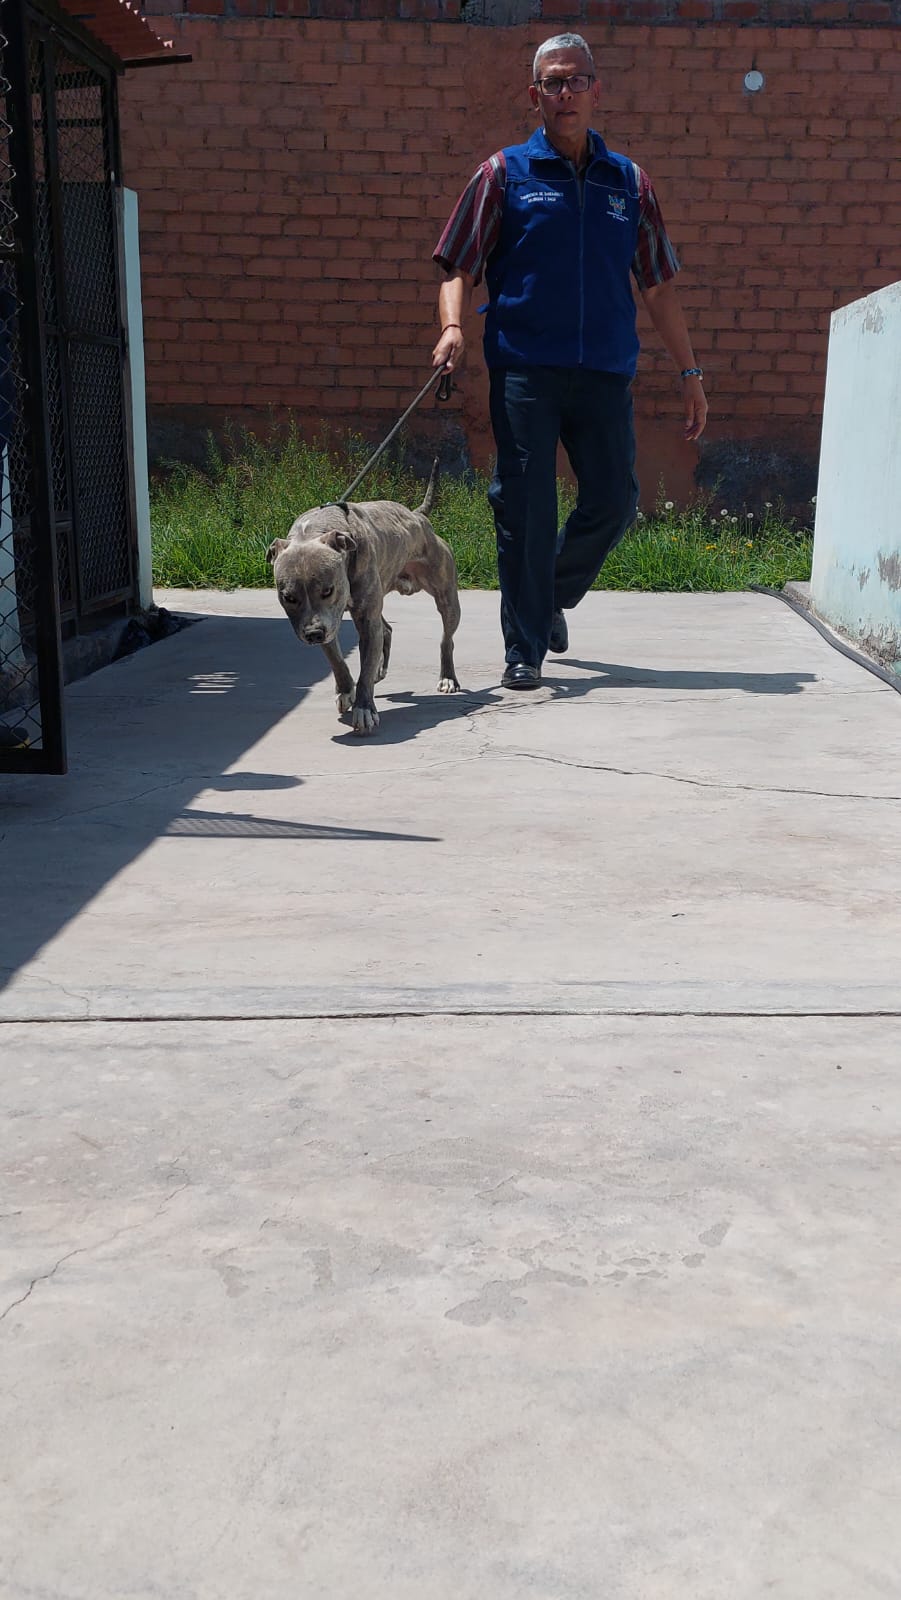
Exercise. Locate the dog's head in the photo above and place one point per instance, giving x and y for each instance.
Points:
(312, 575)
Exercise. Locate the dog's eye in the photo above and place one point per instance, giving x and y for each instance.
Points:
(326, 592)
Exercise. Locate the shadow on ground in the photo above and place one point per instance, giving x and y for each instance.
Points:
(146, 735)
(404, 716)
(608, 675)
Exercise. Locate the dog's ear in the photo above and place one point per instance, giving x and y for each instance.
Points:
(275, 550)
(340, 539)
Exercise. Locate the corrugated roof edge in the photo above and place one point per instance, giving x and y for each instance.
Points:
(125, 32)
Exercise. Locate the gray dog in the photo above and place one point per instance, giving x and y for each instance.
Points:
(347, 557)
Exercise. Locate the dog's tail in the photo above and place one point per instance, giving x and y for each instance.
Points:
(429, 500)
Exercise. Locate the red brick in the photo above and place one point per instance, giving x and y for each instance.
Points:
(262, 260)
(266, 311)
(793, 361)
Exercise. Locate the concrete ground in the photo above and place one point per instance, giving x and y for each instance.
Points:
(463, 1163)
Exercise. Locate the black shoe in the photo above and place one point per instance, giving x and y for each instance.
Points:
(559, 639)
(519, 675)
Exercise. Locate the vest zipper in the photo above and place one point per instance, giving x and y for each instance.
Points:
(580, 185)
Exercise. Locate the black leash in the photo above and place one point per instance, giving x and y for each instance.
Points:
(443, 379)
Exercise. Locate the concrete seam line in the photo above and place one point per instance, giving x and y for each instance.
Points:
(413, 1015)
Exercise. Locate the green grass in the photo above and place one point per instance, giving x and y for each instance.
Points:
(211, 529)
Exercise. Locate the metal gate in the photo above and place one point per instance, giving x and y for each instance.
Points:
(31, 718)
(68, 522)
(77, 260)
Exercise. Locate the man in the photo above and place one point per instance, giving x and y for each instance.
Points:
(557, 225)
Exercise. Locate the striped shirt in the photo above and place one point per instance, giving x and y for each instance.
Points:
(474, 228)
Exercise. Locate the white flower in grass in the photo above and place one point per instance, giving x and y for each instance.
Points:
(724, 512)
(667, 505)
(750, 516)
(733, 520)
(767, 505)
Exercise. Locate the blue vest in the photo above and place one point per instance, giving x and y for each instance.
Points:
(558, 278)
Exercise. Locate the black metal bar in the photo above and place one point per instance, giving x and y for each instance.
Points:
(52, 755)
(110, 105)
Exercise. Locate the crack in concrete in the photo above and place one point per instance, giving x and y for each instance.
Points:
(43, 1277)
(106, 805)
(85, 1249)
(697, 783)
(52, 988)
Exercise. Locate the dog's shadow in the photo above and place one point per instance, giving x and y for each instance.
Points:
(405, 715)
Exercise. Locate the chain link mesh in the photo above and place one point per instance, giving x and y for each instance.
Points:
(46, 267)
(99, 467)
(83, 159)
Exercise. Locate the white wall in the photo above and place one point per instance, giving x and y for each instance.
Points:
(856, 580)
(135, 330)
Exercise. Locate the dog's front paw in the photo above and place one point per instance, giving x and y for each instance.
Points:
(344, 702)
(365, 721)
(448, 686)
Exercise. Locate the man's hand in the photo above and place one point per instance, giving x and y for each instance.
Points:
(695, 401)
(668, 318)
(449, 349)
(453, 302)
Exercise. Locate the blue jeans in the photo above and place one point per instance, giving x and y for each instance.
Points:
(542, 569)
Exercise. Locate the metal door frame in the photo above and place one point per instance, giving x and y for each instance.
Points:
(51, 39)
(48, 753)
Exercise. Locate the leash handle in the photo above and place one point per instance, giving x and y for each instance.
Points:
(443, 378)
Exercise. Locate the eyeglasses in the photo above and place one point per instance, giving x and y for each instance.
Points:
(552, 87)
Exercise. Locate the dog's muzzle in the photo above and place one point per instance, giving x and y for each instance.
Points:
(315, 635)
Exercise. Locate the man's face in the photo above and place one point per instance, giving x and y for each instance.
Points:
(567, 116)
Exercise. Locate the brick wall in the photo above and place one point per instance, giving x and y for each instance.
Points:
(294, 177)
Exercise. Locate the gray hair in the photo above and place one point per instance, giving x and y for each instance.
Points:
(559, 43)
